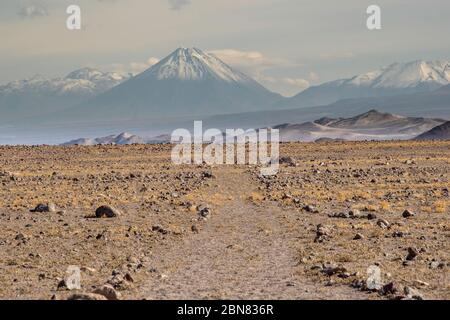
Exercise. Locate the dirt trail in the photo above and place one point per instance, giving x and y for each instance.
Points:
(242, 252)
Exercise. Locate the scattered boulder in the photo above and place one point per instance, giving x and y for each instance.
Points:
(50, 207)
(21, 237)
(204, 212)
(398, 234)
(412, 254)
(390, 289)
(383, 223)
(333, 270)
(323, 233)
(160, 229)
(356, 214)
(358, 236)
(86, 296)
(194, 229)
(412, 293)
(408, 214)
(310, 208)
(342, 215)
(287, 161)
(107, 211)
(436, 265)
(371, 216)
(108, 292)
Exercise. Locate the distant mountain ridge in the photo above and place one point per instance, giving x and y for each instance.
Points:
(435, 104)
(39, 95)
(120, 139)
(395, 79)
(441, 132)
(371, 125)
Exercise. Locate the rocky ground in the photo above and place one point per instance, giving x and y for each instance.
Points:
(335, 215)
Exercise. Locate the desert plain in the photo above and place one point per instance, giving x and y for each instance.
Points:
(335, 212)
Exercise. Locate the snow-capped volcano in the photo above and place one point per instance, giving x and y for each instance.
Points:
(38, 95)
(188, 82)
(194, 64)
(395, 79)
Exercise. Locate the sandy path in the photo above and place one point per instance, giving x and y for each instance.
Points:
(242, 252)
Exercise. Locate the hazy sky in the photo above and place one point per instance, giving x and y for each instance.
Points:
(285, 44)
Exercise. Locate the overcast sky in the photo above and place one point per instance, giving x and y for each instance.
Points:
(285, 44)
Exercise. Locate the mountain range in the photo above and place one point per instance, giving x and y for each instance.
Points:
(120, 139)
(190, 82)
(41, 96)
(395, 79)
(371, 125)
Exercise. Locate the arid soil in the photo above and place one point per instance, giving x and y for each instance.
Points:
(312, 231)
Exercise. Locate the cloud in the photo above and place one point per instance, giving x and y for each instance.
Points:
(33, 11)
(297, 83)
(252, 62)
(178, 4)
(314, 77)
(255, 64)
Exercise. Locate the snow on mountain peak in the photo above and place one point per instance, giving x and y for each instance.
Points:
(405, 75)
(194, 64)
(83, 81)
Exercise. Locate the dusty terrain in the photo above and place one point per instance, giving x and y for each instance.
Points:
(291, 236)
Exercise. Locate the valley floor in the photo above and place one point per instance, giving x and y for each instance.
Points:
(291, 236)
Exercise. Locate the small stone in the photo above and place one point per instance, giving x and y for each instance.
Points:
(323, 232)
(408, 214)
(383, 223)
(436, 265)
(398, 234)
(342, 215)
(86, 296)
(332, 270)
(107, 211)
(413, 293)
(128, 277)
(389, 289)
(160, 229)
(358, 236)
(354, 213)
(44, 208)
(62, 285)
(287, 160)
(371, 216)
(310, 208)
(20, 237)
(194, 229)
(108, 292)
(204, 212)
(412, 254)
